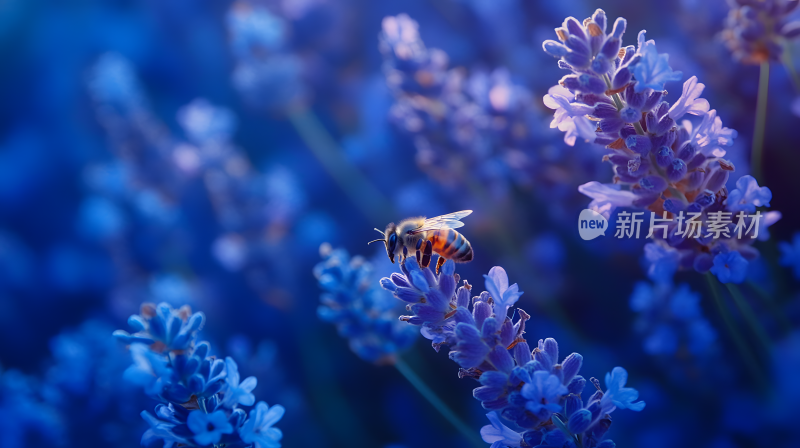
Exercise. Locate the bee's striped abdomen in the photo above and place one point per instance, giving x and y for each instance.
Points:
(451, 245)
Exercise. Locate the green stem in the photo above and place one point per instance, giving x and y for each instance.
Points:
(326, 392)
(780, 316)
(363, 194)
(788, 63)
(761, 121)
(437, 403)
(563, 427)
(749, 315)
(615, 96)
(748, 358)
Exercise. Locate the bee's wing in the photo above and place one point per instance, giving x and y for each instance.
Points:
(449, 221)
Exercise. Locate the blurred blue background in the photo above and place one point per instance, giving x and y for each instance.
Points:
(201, 152)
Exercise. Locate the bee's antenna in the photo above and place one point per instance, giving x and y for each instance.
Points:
(381, 232)
(375, 241)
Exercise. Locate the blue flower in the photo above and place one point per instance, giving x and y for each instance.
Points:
(670, 318)
(662, 261)
(206, 124)
(690, 101)
(790, 254)
(431, 299)
(606, 197)
(701, 336)
(498, 434)
(471, 350)
(643, 297)
(208, 428)
(161, 430)
(258, 429)
(100, 219)
(504, 296)
(237, 393)
(653, 70)
(112, 81)
(748, 195)
(617, 394)
(543, 393)
(730, 267)
(175, 329)
(255, 28)
(570, 117)
(710, 136)
(770, 218)
(662, 340)
(685, 304)
(149, 370)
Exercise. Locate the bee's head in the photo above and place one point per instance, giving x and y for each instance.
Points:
(389, 240)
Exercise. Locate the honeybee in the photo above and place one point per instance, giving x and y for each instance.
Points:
(426, 236)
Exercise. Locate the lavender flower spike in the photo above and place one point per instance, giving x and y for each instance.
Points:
(199, 395)
(661, 161)
(756, 31)
(526, 391)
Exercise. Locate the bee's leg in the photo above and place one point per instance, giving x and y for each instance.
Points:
(419, 255)
(405, 254)
(426, 255)
(439, 263)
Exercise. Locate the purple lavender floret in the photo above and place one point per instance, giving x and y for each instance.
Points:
(757, 31)
(533, 396)
(662, 162)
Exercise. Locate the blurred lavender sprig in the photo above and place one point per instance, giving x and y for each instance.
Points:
(153, 171)
(78, 401)
(533, 399)
(267, 74)
(142, 172)
(363, 313)
(670, 320)
(757, 31)
(465, 128)
(200, 396)
(25, 417)
(254, 209)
